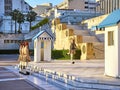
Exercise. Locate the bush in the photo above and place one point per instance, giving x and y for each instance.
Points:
(41, 23)
(62, 54)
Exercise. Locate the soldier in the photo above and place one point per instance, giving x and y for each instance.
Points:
(20, 59)
(26, 56)
(72, 50)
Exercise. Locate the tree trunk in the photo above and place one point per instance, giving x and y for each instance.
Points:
(30, 27)
(15, 26)
(19, 29)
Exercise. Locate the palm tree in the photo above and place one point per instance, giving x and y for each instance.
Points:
(14, 15)
(31, 17)
(20, 19)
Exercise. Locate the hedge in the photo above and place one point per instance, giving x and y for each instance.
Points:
(62, 54)
(56, 54)
(41, 23)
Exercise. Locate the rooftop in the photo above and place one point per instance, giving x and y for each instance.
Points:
(112, 19)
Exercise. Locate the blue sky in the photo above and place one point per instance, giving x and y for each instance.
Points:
(37, 2)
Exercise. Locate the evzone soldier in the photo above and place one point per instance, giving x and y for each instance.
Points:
(20, 59)
(72, 50)
(24, 56)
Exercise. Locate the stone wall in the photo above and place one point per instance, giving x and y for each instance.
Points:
(12, 41)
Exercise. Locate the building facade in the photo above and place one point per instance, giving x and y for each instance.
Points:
(6, 6)
(42, 9)
(107, 6)
(78, 4)
(7, 25)
(72, 16)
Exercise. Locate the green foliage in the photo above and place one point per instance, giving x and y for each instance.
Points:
(62, 54)
(31, 17)
(19, 31)
(15, 14)
(41, 23)
(20, 18)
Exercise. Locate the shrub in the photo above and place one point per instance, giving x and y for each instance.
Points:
(62, 54)
(41, 23)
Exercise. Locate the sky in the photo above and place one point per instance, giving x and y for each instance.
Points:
(33, 3)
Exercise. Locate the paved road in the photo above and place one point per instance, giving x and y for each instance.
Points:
(8, 60)
(8, 57)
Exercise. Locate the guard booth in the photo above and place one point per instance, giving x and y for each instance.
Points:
(112, 44)
(42, 46)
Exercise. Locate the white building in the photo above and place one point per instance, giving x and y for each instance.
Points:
(74, 16)
(112, 43)
(42, 9)
(42, 46)
(7, 25)
(6, 6)
(88, 5)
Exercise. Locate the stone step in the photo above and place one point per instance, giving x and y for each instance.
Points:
(81, 32)
(89, 39)
(71, 82)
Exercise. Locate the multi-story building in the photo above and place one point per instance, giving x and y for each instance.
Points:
(86, 6)
(6, 6)
(72, 16)
(78, 4)
(42, 9)
(107, 6)
(7, 25)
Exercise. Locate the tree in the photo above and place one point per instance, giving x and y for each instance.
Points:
(20, 19)
(41, 23)
(31, 17)
(14, 15)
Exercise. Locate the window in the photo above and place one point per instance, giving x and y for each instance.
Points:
(110, 38)
(86, 6)
(42, 44)
(86, 2)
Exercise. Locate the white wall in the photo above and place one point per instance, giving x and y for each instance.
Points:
(119, 49)
(37, 52)
(47, 50)
(8, 25)
(20, 5)
(111, 53)
(1, 7)
(37, 48)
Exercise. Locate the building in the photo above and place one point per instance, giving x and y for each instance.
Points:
(92, 22)
(112, 43)
(42, 9)
(6, 6)
(42, 46)
(107, 6)
(88, 5)
(72, 16)
(89, 44)
(7, 25)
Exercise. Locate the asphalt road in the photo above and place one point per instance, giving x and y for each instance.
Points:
(8, 57)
